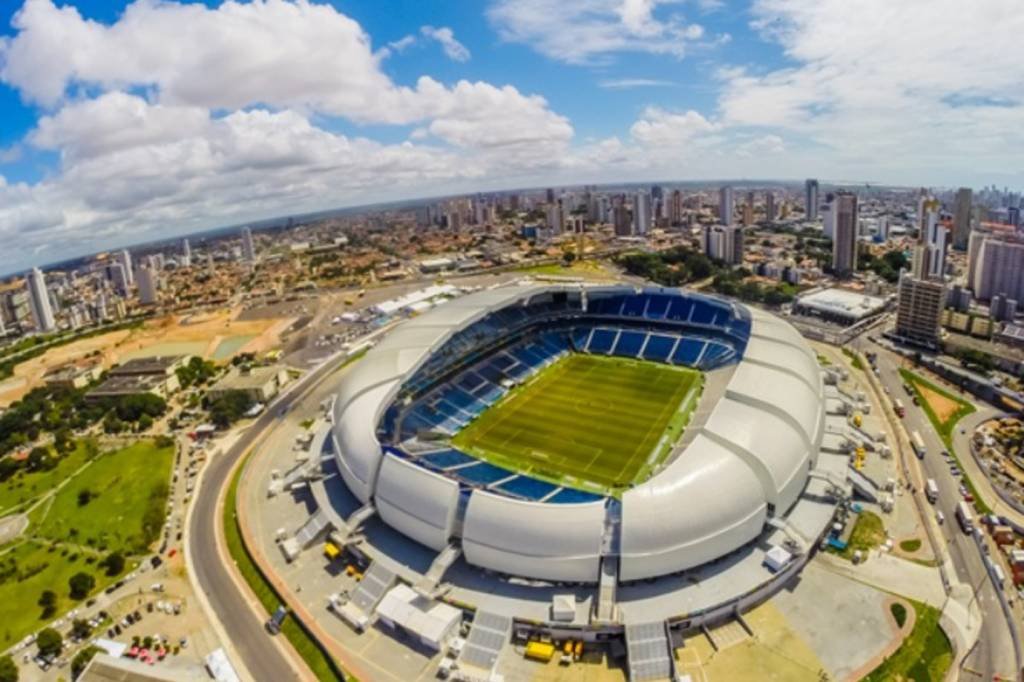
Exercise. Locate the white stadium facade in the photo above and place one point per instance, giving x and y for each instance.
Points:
(736, 509)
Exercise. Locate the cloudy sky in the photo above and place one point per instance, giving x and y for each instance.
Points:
(123, 122)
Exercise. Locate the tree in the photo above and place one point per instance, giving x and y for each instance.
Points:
(48, 600)
(80, 628)
(568, 257)
(49, 642)
(81, 585)
(8, 669)
(81, 660)
(85, 497)
(113, 564)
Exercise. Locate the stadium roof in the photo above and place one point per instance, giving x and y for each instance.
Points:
(749, 460)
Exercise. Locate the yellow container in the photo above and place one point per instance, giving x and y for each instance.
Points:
(540, 651)
(331, 551)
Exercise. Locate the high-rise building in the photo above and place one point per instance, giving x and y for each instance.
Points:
(997, 267)
(919, 309)
(186, 254)
(623, 220)
(844, 244)
(248, 247)
(828, 216)
(1002, 308)
(769, 206)
(118, 278)
(962, 218)
(125, 258)
(724, 243)
(930, 252)
(748, 214)
(811, 199)
(641, 213)
(148, 285)
(725, 206)
(555, 218)
(39, 298)
(675, 208)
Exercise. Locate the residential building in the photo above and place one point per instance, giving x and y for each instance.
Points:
(39, 296)
(811, 199)
(555, 219)
(124, 257)
(641, 213)
(118, 277)
(844, 244)
(919, 309)
(623, 221)
(186, 254)
(770, 213)
(724, 243)
(997, 266)
(1002, 308)
(962, 218)
(930, 252)
(148, 285)
(248, 247)
(726, 206)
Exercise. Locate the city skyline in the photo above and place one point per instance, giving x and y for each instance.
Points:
(444, 100)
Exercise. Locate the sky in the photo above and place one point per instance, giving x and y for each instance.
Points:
(123, 122)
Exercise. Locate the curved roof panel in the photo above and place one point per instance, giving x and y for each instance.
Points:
(416, 502)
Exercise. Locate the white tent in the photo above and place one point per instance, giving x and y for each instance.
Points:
(432, 622)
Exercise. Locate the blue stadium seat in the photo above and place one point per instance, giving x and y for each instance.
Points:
(659, 347)
(635, 306)
(704, 314)
(482, 474)
(571, 496)
(680, 309)
(580, 335)
(445, 459)
(688, 351)
(526, 488)
(601, 341)
(658, 306)
(629, 344)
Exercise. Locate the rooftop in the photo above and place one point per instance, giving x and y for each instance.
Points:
(851, 303)
(254, 378)
(156, 364)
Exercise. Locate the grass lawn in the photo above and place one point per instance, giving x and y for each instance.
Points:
(868, 533)
(855, 361)
(24, 486)
(910, 545)
(587, 421)
(323, 668)
(587, 268)
(26, 570)
(945, 427)
(128, 495)
(924, 655)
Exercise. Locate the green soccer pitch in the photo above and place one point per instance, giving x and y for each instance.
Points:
(587, 421)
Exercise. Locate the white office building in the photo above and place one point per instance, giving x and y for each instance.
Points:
(125, 258)
(149, 282)
(726, 205)
(641, 213)
(39, 298)
(248, 247)
(186, 254)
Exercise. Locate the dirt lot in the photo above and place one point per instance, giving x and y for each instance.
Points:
(199, 334)
(943, 407)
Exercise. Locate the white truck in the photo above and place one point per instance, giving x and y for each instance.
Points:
(918, 443)
(931, 490)
(965, 516)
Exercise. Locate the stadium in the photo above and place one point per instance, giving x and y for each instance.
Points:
(660, 454)
(565, 399)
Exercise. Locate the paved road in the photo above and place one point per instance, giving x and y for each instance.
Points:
(263, 660)
(994, 655)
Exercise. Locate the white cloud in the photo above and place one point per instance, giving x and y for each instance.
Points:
(584, 31)
(657, 127)
(453, 49)
(628, 83)
(903, 87)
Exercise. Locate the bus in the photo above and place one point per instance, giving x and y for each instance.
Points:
(918, 443)
(931, 490)
(965, 517)
(898, 406)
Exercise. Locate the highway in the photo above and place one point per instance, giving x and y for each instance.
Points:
(229, 604)
(993, 657)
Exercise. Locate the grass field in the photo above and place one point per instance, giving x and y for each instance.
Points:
(924, 655)
(125, 511)
(26, 570)
(26, 486)
(587, 421)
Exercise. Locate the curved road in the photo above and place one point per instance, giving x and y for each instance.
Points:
(263, 659)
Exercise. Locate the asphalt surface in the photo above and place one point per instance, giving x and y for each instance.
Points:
(993, 657)
(263, 660)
